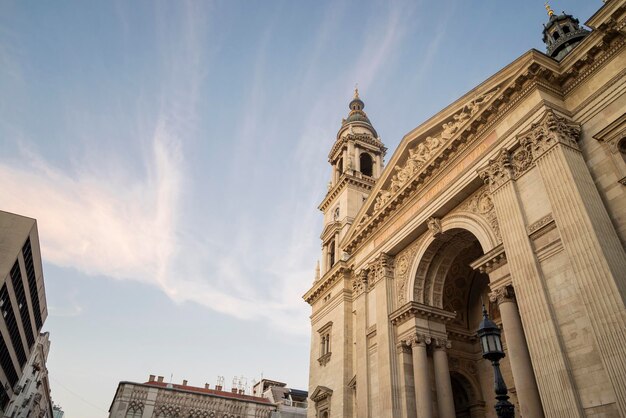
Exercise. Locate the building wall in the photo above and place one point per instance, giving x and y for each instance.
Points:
(530, 174)
(135, 400)
(23, 299)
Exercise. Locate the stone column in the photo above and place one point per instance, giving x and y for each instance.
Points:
(517, 352)
(551, 366)
(445, 399)
(407, 382)
(596, 255)
(359, 296)
(423, 391)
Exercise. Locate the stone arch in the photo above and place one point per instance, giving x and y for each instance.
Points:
(428, 248)
(468, 384)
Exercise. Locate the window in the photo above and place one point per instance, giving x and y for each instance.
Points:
(20, 295)
(32, 282)
(367, 167)
(556, 35)
(340, 166)
(566, 29)
(331, 254)
(324, 335)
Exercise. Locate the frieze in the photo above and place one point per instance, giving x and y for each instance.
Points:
(535, 226)
(548, 132)
(426, 150)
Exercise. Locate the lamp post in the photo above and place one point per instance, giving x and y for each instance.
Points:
(491, 344)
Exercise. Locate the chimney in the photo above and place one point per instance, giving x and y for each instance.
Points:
(218, 387)
(234, 390)
(160, 379)
(184, 383)
(151, 378)
(206, 386)
(241, 391)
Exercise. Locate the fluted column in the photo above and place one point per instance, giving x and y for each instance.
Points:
(596, 255)
(445, 398)
(407, 382)
(517, 353)
(551, 366)
(423, 391)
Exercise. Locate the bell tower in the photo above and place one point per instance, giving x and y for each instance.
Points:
(561, 34)
(356, 159)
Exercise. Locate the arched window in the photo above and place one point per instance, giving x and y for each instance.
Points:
(340, 166)
(566, 29)
(366, 164)
(331, 254)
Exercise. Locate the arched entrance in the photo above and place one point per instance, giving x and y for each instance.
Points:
(445, 280)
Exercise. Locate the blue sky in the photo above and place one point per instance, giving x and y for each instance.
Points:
(174, 154)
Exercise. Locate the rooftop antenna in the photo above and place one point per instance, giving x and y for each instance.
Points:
(170, 385)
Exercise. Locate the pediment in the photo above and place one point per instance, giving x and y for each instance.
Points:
(425, 150)
(320, 393)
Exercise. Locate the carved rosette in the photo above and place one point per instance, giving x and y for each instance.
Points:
(359, 283)
(481, 204)
(498, 171)
(551, 130)
(502, 294)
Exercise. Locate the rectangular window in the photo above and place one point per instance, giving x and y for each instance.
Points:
(7, 364)
(22, 303)
(6, 308)
(32, 282)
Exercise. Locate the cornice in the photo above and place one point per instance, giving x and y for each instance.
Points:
(367, 139)
(419, 310)
(491, 261)
(364, 182)
(330, 229)
(326, 281)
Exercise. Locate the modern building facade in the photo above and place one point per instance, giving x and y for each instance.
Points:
(513, 196)
(22, 301)
(33, 389)
(156, 398)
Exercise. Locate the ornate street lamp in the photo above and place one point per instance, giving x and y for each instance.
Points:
(491, 344)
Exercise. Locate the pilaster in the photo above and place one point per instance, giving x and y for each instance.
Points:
(553, 373)
(359, 294)
(596, 255)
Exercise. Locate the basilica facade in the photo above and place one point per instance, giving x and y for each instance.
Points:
(512, 197)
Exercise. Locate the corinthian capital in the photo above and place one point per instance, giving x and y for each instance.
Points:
(498, 171)
(551, 130)
(502, 294)
(360, 281)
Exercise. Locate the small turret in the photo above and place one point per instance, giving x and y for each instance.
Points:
(561, 34)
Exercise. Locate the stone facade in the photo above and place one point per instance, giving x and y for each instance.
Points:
(513, 196)
(156, 398)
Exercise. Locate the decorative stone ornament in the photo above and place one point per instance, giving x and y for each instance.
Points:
(550, 131)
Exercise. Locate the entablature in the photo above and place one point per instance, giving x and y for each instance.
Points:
(363, 182)
(339, 271)
(419, 310)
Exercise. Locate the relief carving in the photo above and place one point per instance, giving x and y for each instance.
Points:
(498, 171)
(434, 226)
(359, 283)
(549, 131)
(502, 294)
(426, 150)
(402, 267)
(481, 204)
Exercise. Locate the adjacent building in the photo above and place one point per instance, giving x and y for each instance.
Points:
(33, 389)
(156, 398)
(513, 196)
(23, 309)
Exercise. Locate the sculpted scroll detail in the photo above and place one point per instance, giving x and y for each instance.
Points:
(402, 267)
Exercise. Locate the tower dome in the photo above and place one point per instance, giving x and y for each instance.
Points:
(357, 117)
(561, 34)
